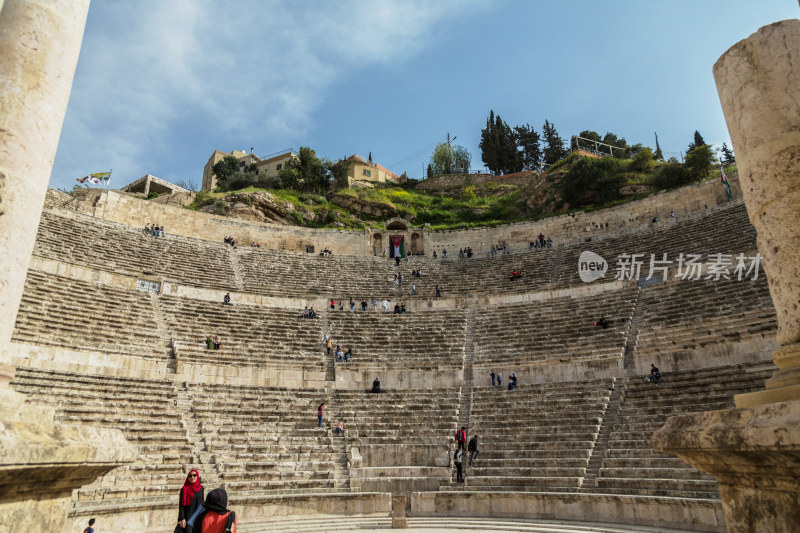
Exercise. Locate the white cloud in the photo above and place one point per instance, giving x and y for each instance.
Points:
(149, 68)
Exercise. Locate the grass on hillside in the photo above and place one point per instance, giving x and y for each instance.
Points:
(461, 207)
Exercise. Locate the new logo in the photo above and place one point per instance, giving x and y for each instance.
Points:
(591, 266)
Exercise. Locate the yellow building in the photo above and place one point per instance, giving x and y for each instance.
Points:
(267, 167)
(361, 173)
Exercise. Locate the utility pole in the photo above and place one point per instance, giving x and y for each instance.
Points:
(450, 152)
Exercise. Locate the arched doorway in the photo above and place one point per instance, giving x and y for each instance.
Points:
(377, 244)
(416, 243)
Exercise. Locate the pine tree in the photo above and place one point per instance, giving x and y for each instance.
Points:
(698, 141)
(498, 146)
(658, 155)
(370, 157)
(727, 155)
(528, 147)
(554, 149)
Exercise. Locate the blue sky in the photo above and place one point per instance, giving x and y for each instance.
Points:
(161, 84)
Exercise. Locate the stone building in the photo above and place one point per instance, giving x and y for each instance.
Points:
(148, 183)
(265, 166)
(362, 173)
(399, 239)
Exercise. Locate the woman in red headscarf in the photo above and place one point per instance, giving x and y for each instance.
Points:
(190, 498)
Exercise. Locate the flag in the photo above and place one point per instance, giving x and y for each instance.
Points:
(397, 246)
(82, 180)
(726, 183)
(100, 178)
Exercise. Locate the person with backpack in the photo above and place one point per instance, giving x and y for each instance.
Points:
(213, 515)
(190, 498)
(89, 529)
(461, 438)
(458, 458)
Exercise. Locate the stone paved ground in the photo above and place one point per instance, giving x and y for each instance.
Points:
(447, 525)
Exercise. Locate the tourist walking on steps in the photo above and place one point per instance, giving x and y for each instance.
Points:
(493, 379)
(461, 438)
(458, 458)
(329, 345)
(472, 448)
(216, 518)
(190, 498)
(499, 380)
(320, 412)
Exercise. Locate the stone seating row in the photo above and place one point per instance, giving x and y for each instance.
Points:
(631, 466)
(117, 248)
(726, 230)
(268, 439)
(418, 338)
(534, 438)
(59, 311)
(554, 329)
(684, 316)
(250, 334)
(144, 410)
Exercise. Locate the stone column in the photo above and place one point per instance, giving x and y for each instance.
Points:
(40, 462)
(399, 520)
(754, 450)
(39, 45)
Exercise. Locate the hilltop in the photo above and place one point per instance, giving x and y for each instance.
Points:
(578, 182)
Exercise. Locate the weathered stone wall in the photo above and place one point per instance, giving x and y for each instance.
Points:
(446, 181)
(120, 208)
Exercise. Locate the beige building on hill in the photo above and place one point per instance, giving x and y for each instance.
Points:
(362, 173)
(268, 167)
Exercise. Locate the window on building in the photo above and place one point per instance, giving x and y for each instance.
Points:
(278, 166)
(241, 163)
(366, 172)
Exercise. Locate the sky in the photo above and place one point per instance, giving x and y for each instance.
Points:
(161, 84)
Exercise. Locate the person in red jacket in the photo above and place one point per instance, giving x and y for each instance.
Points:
(216, 518)
(461, 438)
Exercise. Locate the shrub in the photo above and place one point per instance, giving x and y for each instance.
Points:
(223, 206)
(672, 175)
(642, 160)
(589, 178)
(699, 161)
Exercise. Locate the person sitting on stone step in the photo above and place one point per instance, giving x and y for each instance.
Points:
(376, 385)
(227, 299)
(403, 309)
(312, 313)
(339, 427)
(397, 309)
(602, 323)
(147, 229)
(339, 354)
(512, 381)
(209, 343)
(217, 342)
(364, 305)
(348, 354)
(655, 375)
(305, 312)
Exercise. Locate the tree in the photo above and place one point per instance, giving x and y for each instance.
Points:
(528, 147)
(698, 141)
(370, 156)
(554, 149)
(620, 142)
(225, 168)
(337, 171)
(699, 161)
(446, 157)
(659, 155)
(189, 185)
(498, 146)
(305, 172)
(430, 170)
(727, 155)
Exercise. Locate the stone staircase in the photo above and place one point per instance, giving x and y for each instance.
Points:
(601, 443)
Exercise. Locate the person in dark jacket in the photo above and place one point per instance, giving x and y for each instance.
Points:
(216, 515)
(190, 498)
(472, 448)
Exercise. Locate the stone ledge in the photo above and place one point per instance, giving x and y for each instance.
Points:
(695, 515)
